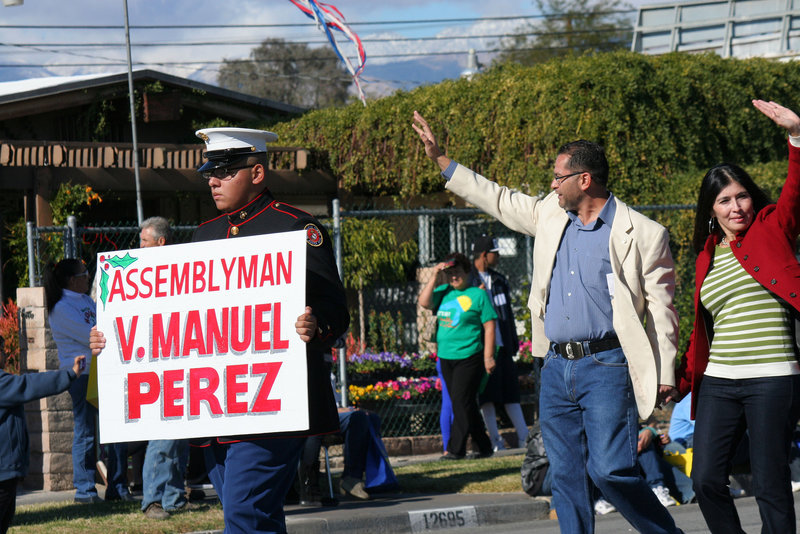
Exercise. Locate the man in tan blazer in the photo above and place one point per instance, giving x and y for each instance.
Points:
(603, 319)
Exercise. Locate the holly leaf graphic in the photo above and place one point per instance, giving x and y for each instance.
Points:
(104, 287)
(123, 262)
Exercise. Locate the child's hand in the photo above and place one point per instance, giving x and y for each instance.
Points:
(79, 365)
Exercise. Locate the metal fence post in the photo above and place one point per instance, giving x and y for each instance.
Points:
(71, 238)
(424, 239)
(31, 255)
(337, 250)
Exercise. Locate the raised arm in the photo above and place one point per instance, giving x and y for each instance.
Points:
(432, 149)
(788, 210)
(425, 298)
(782, 116)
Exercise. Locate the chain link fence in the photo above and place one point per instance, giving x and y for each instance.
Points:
(390, 359)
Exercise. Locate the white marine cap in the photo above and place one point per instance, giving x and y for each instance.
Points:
(226, 145)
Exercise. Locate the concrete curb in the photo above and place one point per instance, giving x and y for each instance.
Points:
(369, 520)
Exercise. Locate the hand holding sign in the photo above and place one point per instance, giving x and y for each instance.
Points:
(306, 325)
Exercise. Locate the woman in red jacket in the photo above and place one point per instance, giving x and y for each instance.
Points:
(742, 362)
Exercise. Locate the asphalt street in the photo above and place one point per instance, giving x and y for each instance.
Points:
(688, 517)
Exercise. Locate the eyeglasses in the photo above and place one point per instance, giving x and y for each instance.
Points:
(223, 173)
(560, 179)
(81, 275)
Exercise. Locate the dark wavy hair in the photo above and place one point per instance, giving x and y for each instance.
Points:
(56, 278)
(716, 179)
(586, 156)
(459, 261)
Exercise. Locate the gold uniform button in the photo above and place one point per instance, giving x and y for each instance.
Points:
(235, 230)
(277, 204)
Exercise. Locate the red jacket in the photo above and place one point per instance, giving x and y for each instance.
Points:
(767, 252)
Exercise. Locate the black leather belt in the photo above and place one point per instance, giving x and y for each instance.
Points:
(575, 350)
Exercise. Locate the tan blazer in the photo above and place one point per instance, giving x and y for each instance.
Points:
(644, 277)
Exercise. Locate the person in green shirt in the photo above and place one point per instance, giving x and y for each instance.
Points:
(465, 336)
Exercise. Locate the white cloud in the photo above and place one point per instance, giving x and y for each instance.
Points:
(184, 12)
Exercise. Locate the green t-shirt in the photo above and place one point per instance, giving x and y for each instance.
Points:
(461, 314)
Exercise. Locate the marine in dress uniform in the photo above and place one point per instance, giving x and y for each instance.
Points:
(252, 474)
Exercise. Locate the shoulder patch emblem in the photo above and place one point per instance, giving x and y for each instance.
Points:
(313, 235)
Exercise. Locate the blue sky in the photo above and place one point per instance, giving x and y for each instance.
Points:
(17, 45)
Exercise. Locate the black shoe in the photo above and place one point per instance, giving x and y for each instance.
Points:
(477, 455)
(449, 456)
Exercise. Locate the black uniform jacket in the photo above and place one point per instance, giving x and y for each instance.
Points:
(324, 293)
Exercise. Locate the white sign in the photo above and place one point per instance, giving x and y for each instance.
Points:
(200, 339)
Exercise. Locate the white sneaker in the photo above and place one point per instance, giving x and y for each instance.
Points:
(498, 445)
(603, 507)
(663, 496)
(795, 486)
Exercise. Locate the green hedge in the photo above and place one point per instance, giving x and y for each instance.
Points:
(656, 115)
(664, 120)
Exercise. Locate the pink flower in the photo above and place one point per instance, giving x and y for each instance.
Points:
(406, 395)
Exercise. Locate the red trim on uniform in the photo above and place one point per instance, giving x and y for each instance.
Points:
(286, 212)
(243, 207)
(260, 212)
(234, 211)
(296, 208)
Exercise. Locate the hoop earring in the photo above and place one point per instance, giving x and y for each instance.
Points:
(711, 225)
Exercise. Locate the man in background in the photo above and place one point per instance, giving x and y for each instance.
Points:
(503, 384)
(165, 459)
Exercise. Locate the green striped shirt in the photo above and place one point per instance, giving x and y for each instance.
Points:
(752, 327)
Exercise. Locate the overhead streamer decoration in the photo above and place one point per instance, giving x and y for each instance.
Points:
(327, 17)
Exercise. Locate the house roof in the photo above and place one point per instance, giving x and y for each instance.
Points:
(35, 88)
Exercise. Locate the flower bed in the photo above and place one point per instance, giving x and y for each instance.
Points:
(368, 368)
(424, 388)
(404, 391)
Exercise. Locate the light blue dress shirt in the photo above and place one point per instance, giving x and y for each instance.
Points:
(579, 303)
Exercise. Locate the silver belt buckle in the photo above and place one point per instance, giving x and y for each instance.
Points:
(574, 350)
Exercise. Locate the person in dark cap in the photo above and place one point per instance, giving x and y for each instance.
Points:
(253, 473)
(503, 384)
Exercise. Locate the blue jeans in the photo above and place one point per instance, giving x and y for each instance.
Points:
(590, 428)
(115, 455)
(658, 472)
(768, 409)
(162, 473)
(84, 458)
(446, 415)
(677, 480)
(83, 453)
(252, 479)
(354, 426)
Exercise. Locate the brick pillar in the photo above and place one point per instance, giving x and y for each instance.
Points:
(49, 419)
(426, 320)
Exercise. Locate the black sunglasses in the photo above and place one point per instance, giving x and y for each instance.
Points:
(223, 173)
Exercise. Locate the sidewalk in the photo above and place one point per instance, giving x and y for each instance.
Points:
(410, 513)
(391, 512)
